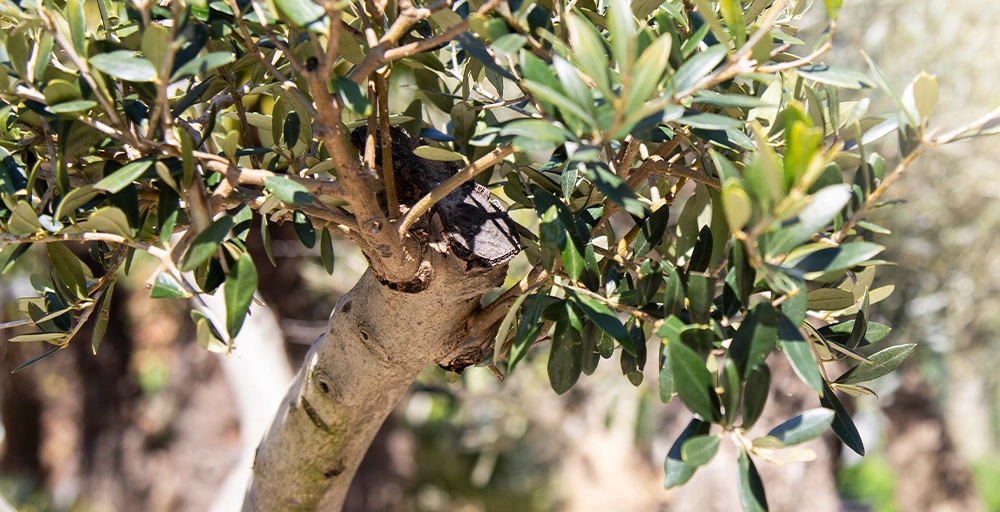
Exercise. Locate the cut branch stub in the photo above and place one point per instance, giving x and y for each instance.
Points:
(476, 227)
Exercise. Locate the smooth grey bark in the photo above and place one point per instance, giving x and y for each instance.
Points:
(377, 341)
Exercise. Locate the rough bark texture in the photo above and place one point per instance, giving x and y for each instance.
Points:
(377, 342)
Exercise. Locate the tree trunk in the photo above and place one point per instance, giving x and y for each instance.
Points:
(377, 342)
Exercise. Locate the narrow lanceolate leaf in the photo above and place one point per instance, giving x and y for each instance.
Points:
(202, 64)
(843, 426)
(103, 316)
(68, 268)
(566, 356)
(605, 319)
(438, 154)
(23, 220)
(589, 51)
(205, 244)
(698, 66)
(882, 363)
(36, 359)
(797, 350)
(817, 215)
(648, 71)
(326, 251)
(527, 331)
(804, 427)
(755, 392)
(677, 470)
(616, 189)
(124, 177)
(693, 381)
(751, 489)
(289, 191)
(240, 286)
(755, 338)
(304, 229)
(126, 65)
(302, 13)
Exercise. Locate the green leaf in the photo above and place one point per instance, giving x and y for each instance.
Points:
(832, 75)
(732, 13)
(673, 295)
(604, 318)
(833, 8)
(591, 355)
(843, 425)
(537, 129)
(755, 338)
(438, 154)
(288, 190)
(527, 331)
(755, 392)
(818, 214)
(566, 355)
(241, 283)
(693, 381)
(203, 64)
(589, 52)
(126, 65)
(206, 243)
(830, 299)
(23, 220)
(621, 25)
(751, 489)
(166, 287)
(615, 188)
(72, 107)
(699, 450)
(56, 338)
(74, 199)
(648, 72)
(571, 258)
(576, 90)
(353, 95)
(36, 359)
(68, 268)
(830, 259)
(304, 229)
(651, 231)
(108, 220)
(804, 427)
(678, 472)
(840, 332)
(731, 391)
(77, 25)
(698, 66)
(103, 316)
(882, 363)
(860, 323)
(326, 251)
(303, 14)
(737, 206)
(124, 176)
(796, 349)
(155, 44)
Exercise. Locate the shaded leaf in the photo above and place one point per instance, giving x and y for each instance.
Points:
(241, 283)
(678, 472)
(751, 489)
(843, 425)
(205, 243)
(693, 381)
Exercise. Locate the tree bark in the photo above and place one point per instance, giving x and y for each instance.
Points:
(378, 340)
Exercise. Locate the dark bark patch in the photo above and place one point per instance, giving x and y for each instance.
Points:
(314, 417)
(335, 471)
(346, 308)
(477, 228)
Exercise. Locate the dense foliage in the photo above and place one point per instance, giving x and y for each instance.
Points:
(685, 163)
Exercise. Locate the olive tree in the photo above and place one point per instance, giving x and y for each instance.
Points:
(694, 179)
